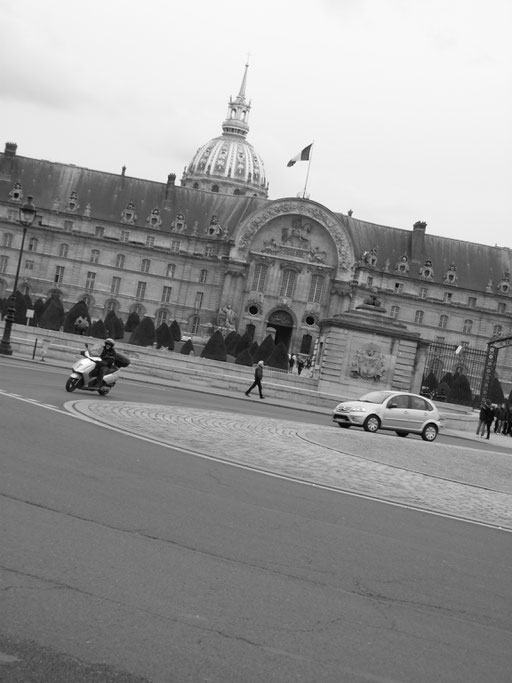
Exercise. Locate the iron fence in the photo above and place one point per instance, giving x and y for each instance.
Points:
(443, 358)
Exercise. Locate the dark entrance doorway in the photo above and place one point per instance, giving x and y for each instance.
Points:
(282, 322)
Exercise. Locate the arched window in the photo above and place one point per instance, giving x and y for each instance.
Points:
(418, 318)
(467, 327)
(395, 311)
(316, 289)
(194, 324)
(260, 275)
(63, 250)
(95, 256)
(120, 259)
(288, 283)
(196, 186)
(215, 188)
(145, 265)
(237, 191)
(443, 321)
(161, 317)
(32, 245)
(111, 306)
(7, 240)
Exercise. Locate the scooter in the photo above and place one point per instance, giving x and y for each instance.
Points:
(85, 373)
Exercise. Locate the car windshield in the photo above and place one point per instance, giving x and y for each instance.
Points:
(375, 397)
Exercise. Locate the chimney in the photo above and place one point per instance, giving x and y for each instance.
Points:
(418, 241)
(10, 149)
(123, 171)
(171, 182)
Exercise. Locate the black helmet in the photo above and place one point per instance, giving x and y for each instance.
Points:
(109, 341)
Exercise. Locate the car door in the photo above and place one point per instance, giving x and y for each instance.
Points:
(418, 412)
(396, 413)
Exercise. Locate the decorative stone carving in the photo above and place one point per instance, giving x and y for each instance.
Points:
(402, 266)
(16, 194)
(504, 285)
(87, 210)
(450, 276)
(369, 258)
(72, 204)
(427, 270)
(307, 210)
(154, 219)
(368, 363)
(129, 216)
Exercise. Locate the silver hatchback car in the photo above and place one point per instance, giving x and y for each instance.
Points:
(398, 411)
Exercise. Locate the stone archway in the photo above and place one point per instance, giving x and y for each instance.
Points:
(282, 322)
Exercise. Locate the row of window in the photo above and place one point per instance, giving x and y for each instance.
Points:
(467, 327)
(447, 296)
(288, 283)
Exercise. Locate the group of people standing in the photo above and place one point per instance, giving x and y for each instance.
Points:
(297, 361)
(500, 415)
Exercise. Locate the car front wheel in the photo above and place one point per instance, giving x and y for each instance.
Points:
(371, 424)
(429, 433)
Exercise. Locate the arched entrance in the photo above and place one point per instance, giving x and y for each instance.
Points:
(282, 322)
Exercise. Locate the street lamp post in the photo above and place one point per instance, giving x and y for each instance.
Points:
(27, 215)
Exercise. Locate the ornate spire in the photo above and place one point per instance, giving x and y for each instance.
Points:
(236, 122)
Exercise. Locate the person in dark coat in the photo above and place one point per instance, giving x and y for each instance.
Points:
(258, 376)
(108, 359)
(486, 419)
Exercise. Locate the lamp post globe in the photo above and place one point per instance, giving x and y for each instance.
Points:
(27, 213)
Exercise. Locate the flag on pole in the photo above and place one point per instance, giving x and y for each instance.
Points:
(301, 156)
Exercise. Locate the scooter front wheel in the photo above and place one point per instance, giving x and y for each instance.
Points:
(103, 391)
(72, 383)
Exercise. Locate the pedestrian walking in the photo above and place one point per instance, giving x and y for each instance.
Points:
(486, 418)
(258, 376)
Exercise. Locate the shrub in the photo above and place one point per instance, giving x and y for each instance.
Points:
(496, 394)
(53, 315)
(430, 381)
(447, 379)
(279, 357)
(231, 342)
(132, 322)
(163, 336)
(244, 343)
(244, 358)
(175, 331)
(460, 391)
(215, 348)
(253, 349)
(98, 330)
(265, 349)
(38, 311)
(144, 334)
(78, 311)
(188, 348)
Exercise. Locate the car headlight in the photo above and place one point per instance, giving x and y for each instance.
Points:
(357, 409)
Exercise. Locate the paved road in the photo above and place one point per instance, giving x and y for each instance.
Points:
(459, 482)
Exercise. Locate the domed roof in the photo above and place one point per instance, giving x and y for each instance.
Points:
(228, 163)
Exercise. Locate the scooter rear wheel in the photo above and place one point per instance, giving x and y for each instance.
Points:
(72, 383)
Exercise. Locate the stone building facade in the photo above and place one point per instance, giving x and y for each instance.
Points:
(355, 294)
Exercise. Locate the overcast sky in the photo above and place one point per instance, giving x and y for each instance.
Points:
(408, 102)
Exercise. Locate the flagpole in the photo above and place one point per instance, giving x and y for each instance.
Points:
(307, 172)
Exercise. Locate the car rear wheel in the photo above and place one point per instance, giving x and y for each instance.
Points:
(402, 433)
(371, 424)
(429, 433)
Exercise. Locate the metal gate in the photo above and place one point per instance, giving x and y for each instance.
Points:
(449, 358)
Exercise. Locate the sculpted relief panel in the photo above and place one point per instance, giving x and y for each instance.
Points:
(297, 230)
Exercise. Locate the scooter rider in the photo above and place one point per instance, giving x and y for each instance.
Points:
(108, 358)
